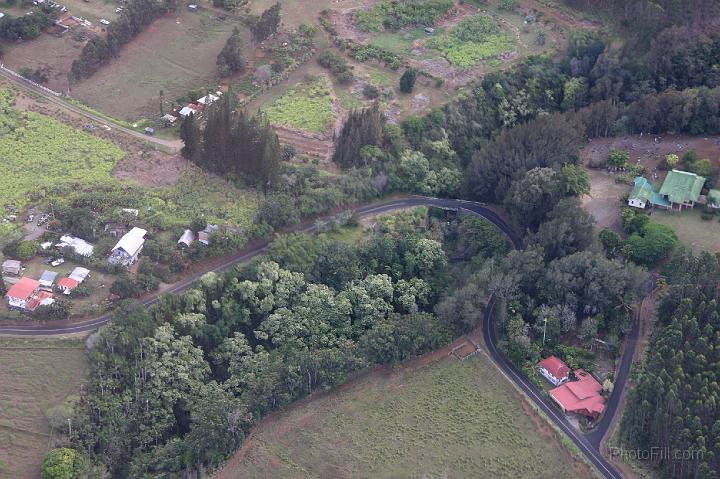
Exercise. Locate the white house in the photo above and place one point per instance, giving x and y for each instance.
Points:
(126, 250)
(20, 294)
(80, 246)
(554, 370)
(186, 111)
(209, 99)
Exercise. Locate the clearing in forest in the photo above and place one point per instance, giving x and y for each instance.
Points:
(450, 419)
(306, 106)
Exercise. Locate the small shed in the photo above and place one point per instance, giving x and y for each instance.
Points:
(168, 119)
(11, 266)
(79, 274)
(186, 111)
(47, 279)
(187, 238)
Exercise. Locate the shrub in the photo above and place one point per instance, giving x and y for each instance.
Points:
(26, 250)
(371, 91)
(407, 80)
(62, 463)
(618, 158)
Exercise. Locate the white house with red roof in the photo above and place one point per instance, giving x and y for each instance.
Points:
(26, 294)
(21, 292)
(583, 396)
(554, 370)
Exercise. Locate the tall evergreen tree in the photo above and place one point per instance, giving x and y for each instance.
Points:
(362, 128)
(230, 59)
(267, 24)
(191, 135)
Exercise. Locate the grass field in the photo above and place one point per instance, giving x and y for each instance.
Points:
(38, 151)
(35, 375)
(176, 53)
(307, 106)
(451, 419)
(691, 229)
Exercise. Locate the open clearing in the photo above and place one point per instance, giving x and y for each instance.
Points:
(35, 376)
(176, 53)
(698, 234)
(604, 201)
(449, 419)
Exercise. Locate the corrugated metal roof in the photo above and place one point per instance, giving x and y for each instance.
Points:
(682, 186)
(132, 241)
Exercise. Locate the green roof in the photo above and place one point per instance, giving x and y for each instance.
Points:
(713, 197)
(682, 186)
(644, 190)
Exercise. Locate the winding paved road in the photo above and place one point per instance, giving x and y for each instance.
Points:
(588, 444)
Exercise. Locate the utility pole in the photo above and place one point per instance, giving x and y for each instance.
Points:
(544, 330)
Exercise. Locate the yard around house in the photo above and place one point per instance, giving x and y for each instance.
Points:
(693, 231)
(35, 376)
(448, 419)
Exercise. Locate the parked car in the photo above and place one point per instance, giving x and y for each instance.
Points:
(30, 218)
(104, 22)
(57, 262)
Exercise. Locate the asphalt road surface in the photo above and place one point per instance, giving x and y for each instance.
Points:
(588, 444)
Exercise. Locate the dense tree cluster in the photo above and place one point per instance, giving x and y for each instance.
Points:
(674, 404)
(25, 27)
(233, 144)
(362, 128)
(136, 15)
(176, 388)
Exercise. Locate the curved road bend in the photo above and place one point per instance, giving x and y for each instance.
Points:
(588, 444)
(174, 145)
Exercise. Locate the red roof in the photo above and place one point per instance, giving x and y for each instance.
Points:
(67, 283)
(582, 396)
(555, 366)
(24, 288)
(37, 300)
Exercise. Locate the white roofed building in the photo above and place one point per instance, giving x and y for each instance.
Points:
(186, 111)
(126, 250)
(80, 246)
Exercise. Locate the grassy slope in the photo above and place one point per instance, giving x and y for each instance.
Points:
(31, 381)
(305, 106)
(454, 419)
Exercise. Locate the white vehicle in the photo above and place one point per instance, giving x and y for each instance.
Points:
(118, 9)
(104, 22)
(57, 262)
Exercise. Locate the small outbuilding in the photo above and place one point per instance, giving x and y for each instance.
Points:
(11, 266)
(168, 119)
(186, 111)
(187, 238)
(80, 246)
(66, 285)
(47, 279)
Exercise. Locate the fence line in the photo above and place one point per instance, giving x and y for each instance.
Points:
(37, 85)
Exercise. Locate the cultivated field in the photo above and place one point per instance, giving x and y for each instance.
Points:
(175, 54)
(450, 419)
(39, 151)
(34, 376)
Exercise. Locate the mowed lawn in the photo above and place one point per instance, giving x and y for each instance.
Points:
(451, 419)
(176, 53)
(35, 375)
(691, 229)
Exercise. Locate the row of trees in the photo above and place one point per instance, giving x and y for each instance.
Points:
(233, 144)
(136, 15)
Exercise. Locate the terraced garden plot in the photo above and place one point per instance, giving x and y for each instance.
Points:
(307, 106)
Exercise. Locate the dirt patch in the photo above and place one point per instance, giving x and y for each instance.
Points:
(151, 168)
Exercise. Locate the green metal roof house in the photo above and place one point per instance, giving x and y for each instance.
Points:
(682, 188)
(643, 195)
